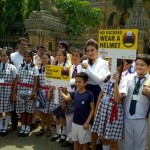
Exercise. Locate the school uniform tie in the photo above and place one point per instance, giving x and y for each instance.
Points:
(26, 67)
(133, 103)
(3, 68)
(74, 72)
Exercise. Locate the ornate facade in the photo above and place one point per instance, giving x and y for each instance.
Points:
(47, 28)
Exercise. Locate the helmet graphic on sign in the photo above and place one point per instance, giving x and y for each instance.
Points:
(65, 72)
(129, 39)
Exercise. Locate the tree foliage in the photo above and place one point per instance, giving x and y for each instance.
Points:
(78, 15)
(30, 6)
(12, 11)
(15, 11)
(124, 5)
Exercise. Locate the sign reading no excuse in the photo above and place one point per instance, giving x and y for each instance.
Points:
(118, 43)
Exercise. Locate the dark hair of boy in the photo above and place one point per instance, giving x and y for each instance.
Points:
(41, 46)
(78, 51)
(30, 53)
(144, 57)
(82, 75)
(128, 61)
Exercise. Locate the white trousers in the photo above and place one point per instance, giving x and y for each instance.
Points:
(135, 134)
(69, 120)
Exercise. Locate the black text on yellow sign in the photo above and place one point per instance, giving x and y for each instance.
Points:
(58, 72)
(118, 39)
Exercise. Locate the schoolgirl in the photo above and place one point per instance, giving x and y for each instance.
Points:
(7, 78)
(58, 109)
(26, 86)
(108, 122)
(45, 117)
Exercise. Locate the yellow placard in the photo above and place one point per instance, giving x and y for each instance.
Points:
(58, 72)
(118, 39)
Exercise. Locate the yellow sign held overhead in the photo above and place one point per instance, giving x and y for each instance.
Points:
(118, 39)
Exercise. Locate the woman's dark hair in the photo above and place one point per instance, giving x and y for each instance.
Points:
(64, 52)
(49, 56)
(30, 53)
(93, 43)
(144, 57)
(82, 75)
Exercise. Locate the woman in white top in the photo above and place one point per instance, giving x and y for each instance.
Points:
(97, 69)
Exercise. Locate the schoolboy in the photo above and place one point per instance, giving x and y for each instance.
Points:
(75, 68)
(83, 112)
(136, 106)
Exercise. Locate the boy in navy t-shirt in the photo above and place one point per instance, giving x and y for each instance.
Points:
(83, 112)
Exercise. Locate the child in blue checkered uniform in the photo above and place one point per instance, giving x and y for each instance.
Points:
(26, 83)
(58, 109)
(108, 122)
(44, 112)
(7, 78)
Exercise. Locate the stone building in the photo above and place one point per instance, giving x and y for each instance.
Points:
(47, 28)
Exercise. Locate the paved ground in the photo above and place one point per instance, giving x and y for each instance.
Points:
(12, 142)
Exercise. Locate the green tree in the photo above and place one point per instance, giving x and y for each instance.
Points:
(1, 14)
(12, 11)
(78, 15)
(30, 6)
(124, 5)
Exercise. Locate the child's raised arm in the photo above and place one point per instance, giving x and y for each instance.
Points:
(64, 96)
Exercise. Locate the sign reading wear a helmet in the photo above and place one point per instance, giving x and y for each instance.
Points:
(118, 43)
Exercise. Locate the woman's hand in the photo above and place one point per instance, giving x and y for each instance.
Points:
(84, 65)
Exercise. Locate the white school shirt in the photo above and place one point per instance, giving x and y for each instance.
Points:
(97, 72)
(13, 68)
(16, 58)
(36, 70)
(142, 105)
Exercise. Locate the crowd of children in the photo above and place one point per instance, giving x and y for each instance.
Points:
(93, 109)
